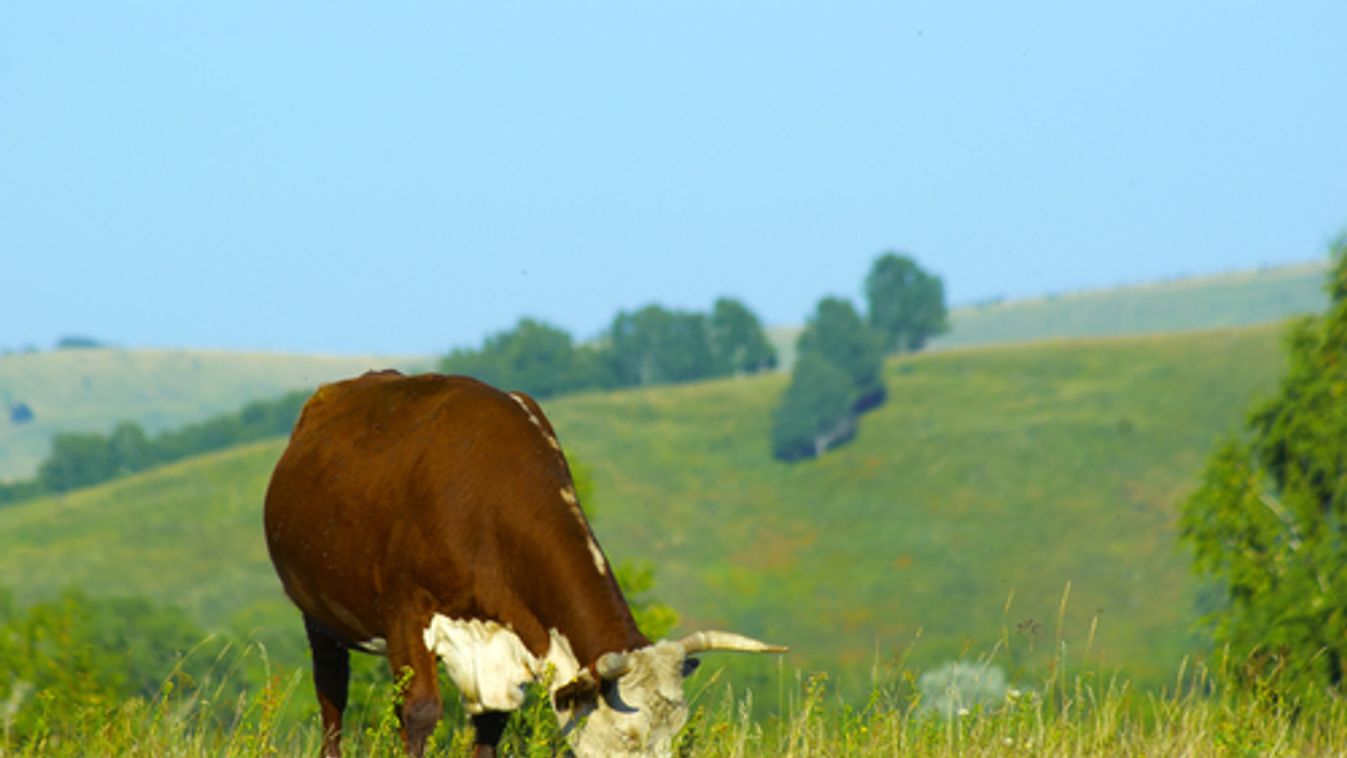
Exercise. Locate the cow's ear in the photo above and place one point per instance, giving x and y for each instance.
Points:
(690, 665)
(582, 689)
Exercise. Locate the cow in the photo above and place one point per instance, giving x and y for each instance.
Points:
(432, 516)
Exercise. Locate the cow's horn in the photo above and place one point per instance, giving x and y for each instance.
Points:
(611, 666)
(701, 642)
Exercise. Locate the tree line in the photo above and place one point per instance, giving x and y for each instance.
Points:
(84, 459)
(650, 346)
(840, 356)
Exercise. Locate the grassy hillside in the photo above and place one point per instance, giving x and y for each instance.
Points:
(1242, 298)
(989, 472)
(91, 390)
(1208, 302)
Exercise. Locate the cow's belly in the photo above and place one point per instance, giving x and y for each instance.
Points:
(490, 664)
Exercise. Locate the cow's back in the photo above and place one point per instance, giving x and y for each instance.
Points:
(388, 479)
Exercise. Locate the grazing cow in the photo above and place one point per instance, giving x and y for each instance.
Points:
(434, 516)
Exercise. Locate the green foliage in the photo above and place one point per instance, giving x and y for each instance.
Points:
(655, 345)
(906, 303)
(84, 653)
(738, 343)
(651, 346)
(837, 334)
(836, 377)
(81, 460)
(1268, 522)
(534, 357)
(637, 580)
(78, 342)
(816, 413)
(77, 460)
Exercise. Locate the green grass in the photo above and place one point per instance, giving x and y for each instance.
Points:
(990, 480)
(1082, 713)
(92, 390)
(1226, 300)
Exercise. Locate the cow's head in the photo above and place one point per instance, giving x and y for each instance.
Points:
(635, 706)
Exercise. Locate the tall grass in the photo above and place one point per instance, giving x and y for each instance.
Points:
(1067, 711)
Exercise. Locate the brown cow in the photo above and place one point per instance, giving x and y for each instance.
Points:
(434, 516)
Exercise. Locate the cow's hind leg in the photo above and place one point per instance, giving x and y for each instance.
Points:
(489, 726)
(421, 704)
(331, 677)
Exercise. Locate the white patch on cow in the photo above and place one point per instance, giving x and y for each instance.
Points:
(568, 495)
(597, 555)
(489, 663)
(515, 396)
(374, 645)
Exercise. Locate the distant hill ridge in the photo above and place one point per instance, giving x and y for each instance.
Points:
(1239, 298)
(1181, 304)
(92, 390)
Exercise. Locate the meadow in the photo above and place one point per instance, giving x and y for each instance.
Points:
(991, 480)
(1071, 712)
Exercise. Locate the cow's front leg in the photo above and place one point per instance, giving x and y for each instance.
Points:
(421, 704)
(489, 726)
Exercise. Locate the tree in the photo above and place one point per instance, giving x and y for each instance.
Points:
(76, 460)
(658, 346)
(837, 333)
(907, 304)
(535, 357)
(738, 343)
(129, 448)
(816, 413)
(1269, 523)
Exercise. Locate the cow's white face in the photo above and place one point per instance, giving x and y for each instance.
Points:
(637, 714)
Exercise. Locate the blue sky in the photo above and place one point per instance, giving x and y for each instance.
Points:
(407, 177)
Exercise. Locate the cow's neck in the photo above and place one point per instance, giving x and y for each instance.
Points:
(587, 609)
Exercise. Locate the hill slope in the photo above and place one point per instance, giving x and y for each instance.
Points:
(92, 390)
(1240, 298)
(989, 471)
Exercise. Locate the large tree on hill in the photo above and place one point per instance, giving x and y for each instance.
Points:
(1269, 523)
(836, 377)
(837, 334)
(535, 357)
(816, 413)
(657, 346)
(738, 343)
(906, 304)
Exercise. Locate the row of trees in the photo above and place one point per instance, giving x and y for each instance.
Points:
(840, 355)
(80, 460)
(653, 345)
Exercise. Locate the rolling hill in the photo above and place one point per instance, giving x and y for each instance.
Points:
(991, 479)
(92, 390)
(1240, 298)
(1219, 301)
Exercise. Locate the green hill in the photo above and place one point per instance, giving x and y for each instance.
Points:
(92, 390)
(1240, 298)
(989, 472)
